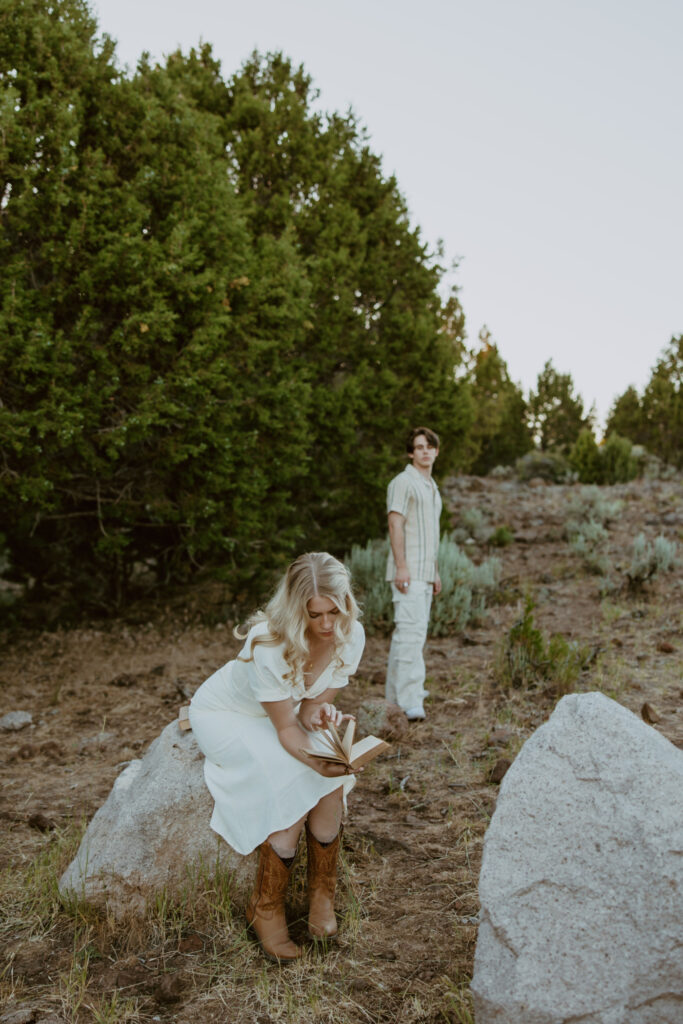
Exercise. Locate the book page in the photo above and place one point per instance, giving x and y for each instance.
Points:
(347, 742)
(326, 746)
(367, 750)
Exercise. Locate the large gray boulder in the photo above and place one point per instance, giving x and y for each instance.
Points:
(153, 831)
(581, 883)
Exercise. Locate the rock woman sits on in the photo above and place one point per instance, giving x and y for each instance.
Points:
(253, 718)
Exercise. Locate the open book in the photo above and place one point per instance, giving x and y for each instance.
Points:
(342, 749)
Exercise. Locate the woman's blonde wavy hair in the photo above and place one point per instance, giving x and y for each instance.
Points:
(315, 574)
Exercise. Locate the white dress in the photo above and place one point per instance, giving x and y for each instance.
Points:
(257, 786)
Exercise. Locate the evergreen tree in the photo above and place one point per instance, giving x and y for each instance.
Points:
(216, 322)
(499, 433)
(655, 420)
(147, 387)
(662, 406)
(556, 414)
(373, 351)
(625, 416)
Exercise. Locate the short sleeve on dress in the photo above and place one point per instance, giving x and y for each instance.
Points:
(351, 653)
(266, 674)
(398, 494)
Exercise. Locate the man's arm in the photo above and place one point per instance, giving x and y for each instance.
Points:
(397, 539)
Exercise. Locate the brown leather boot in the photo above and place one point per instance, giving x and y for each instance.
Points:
(322, 881)
(266, 909)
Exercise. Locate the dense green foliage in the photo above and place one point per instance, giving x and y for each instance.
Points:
(216, 322)
(610, 463)
(500, 432)
(555, 411)
(655, 419)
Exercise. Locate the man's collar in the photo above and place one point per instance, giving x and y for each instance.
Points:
(410, 468)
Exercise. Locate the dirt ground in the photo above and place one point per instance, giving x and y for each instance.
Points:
(98, 695)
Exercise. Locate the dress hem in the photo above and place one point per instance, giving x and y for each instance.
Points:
(347, 782)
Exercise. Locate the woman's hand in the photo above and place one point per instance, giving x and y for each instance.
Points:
(319, 716)
(330, 769)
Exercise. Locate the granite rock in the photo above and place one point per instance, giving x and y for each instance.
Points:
(581, 883)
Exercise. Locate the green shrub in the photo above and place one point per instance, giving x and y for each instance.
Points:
(521, 654)
(550, 466)
(619, 462)
(501, 537)
(465, 587)
(565, 661)
(647, 560)
(526, 657)
(584, 458)
(613, 462)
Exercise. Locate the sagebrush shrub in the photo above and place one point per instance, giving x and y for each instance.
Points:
(471, 523)
(589, 542)
(647, 560)
(588, 514)
(367, 566)
(465, 586)
(590, 503)
(550, 466)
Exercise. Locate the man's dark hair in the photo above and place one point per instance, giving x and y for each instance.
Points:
(432, 438)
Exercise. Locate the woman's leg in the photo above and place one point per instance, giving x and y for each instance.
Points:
(325, 818)
(285, 842)
(323, 830)
(266, 910)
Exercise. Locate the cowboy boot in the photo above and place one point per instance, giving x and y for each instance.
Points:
(266, 909)
(322, 880)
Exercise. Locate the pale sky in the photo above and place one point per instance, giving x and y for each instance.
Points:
(541, 140)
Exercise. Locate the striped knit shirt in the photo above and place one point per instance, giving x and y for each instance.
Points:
(418, 500)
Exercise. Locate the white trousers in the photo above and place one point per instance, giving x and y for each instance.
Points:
(406, 668)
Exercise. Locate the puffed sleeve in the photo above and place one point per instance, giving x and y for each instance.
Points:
(398, 494)
(351, 653)
(266, 673)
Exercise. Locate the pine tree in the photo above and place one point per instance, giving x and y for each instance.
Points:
(373, 351)
(217, 322)
(147, 386)
(499, 433)
(555, 413)
(662, 406)
(655, 420)
(625, 417)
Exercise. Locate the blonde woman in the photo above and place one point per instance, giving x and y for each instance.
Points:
(253, 718)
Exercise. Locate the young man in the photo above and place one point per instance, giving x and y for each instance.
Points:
(413, 508)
